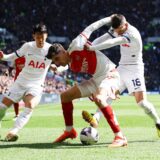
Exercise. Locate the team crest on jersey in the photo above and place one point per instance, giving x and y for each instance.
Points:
(37, 64)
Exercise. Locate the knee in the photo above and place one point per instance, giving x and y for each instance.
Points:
(29, 104)
(100, 101)
(7, 102)
(66, 97)
(63, 97)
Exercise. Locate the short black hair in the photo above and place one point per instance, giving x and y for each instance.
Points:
(54, 50)
(39, 28)
(117, 20)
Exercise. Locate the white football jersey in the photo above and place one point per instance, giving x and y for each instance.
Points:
(131, 52)
(36, 65)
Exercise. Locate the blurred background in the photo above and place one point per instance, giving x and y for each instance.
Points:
(65, 19)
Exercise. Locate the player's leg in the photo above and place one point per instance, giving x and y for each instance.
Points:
(105, 94)
(102, 101)
(16, 109)
(67, 107)
(10, 96)
(93, 119)
(148, 108)
(136, 86)
(23, 118)
(4, 105)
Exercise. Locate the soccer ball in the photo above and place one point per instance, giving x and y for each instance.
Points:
(89, 136)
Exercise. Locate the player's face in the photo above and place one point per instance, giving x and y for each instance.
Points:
(121, 29)
(40, 39)
(61, 59)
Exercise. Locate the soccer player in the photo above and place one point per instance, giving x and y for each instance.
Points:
(29, 84)
(131, 66)
(102, 86)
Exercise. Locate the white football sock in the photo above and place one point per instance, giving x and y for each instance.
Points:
(69, 128)
(21, 120)
(98, 115)
(150, 110)
(119, 134)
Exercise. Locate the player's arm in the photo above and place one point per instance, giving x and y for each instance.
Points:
(96, 25)
(101, 39)
(79, 42)
(108, 43)
(8, 57)
(11, 57)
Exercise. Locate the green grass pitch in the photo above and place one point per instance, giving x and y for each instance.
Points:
(47, 123)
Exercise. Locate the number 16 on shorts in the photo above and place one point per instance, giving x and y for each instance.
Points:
(136, 82)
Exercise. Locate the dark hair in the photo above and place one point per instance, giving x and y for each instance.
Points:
(117, 20)
(39, 28)
(54, 50)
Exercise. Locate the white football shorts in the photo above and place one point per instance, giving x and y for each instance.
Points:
(110, 83)
(131, 78)
(17, 91)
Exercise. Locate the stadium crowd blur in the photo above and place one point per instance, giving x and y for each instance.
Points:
(67, 18)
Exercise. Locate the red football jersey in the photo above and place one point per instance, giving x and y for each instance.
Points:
(83, 61)
(19, 64)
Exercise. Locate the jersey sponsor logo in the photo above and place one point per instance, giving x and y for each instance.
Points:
(84, 67)
(125, 45)
(37, 64)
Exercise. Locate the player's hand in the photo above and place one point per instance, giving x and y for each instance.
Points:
(117, 94)
(1, 54)
(53, 68)
(78, 43)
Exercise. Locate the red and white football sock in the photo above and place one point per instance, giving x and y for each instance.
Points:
(111, 118)
(68, 115)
